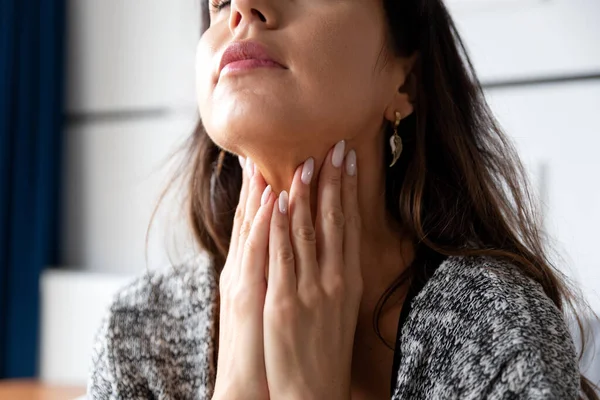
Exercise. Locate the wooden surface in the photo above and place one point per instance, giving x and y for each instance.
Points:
(32, 390)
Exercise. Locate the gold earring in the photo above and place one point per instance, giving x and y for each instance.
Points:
(396, 141)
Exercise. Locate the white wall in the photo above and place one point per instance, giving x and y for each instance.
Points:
(114, 176)
(131, 103)
(511, 39)
(131, 55)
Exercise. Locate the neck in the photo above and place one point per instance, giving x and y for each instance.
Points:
(385, 251)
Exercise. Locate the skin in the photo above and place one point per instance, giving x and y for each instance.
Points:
(339, 83)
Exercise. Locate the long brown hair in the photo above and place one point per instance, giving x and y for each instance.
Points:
(458, 189)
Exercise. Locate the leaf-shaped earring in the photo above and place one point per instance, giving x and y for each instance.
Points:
(396, 141)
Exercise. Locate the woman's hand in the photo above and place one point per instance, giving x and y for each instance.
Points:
(314, 284)
(241, 370)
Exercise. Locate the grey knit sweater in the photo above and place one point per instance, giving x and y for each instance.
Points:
(478, 329)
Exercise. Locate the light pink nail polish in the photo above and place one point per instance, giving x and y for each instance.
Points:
(283, 202)
(307, 170)
(242, 161)
(338, 154)
(351, 163)
(265, 195)
(249, 167)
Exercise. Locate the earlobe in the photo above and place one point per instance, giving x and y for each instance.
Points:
(402, 104)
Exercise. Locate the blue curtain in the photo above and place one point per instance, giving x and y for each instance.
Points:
(31, 83)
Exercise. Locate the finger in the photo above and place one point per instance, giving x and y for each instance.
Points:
(256, 245)
(352, 227)
(282, 274)
(257, 187)
(239, 211)
(302, 230)
(330, 217)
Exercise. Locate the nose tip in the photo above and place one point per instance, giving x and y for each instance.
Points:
(237, 17)
(248, 12)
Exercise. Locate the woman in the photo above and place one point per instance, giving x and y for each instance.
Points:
(375, 240)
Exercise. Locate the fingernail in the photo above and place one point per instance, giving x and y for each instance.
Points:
(338, 154)
(307, 170)
(249, 167)
(242, 161)
(265, 195)
(283, 202)
(351, 163)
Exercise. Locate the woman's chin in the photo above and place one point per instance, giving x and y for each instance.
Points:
(239, 133)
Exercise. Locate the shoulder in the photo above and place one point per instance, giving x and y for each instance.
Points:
(158, 335)
(483, 321)
(491, 293)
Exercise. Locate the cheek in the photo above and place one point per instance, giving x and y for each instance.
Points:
(341, 76)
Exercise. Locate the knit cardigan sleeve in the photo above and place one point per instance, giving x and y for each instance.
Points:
(157, 340)
(526, 376)
(480, 329)
(102, 384)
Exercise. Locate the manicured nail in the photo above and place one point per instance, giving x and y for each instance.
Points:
(242, 161)
(351, 163)
(249, 167)
(338, 154)
(265, 195)
(307, 170)
(283, 202)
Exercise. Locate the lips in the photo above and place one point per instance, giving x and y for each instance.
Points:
(246, 51)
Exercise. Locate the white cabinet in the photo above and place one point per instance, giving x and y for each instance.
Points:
(72, 307)
(131, 55)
